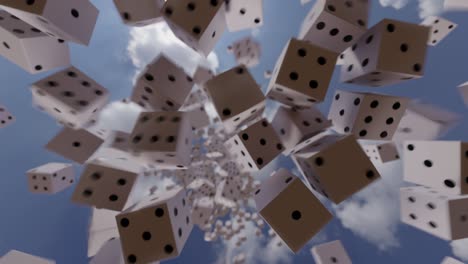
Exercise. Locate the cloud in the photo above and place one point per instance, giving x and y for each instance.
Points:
(374, 213)
(147, 42)
(430, 8)
(119, 116)
(460, 249)
(397, 4)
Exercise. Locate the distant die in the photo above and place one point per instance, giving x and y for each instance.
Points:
(244, 14)
(382, 153)
(246, 51)
(61, 19)
(463, 88)
(330, 253)
(18, 257)
(6, 118)
(440, 28)
(162, 85)
(302, 74)
(29, 48)
(335, 24)
(443, 216)
(255, 146)
(318, 163)
(236, 97)
(199, 24)
(50, 178)
(155, 228)
(141, 13)
(290, 208)
(390, 52)
(70, 96)
(367, 115)
(442, 165)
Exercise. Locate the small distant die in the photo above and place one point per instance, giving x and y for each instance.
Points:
(463, 88)
(382, 153)
(330, 253)
(247, 52)
(6, 118)
(29, 48)
(50, 178)
(244, 14)
(440, 28)
(141, 13)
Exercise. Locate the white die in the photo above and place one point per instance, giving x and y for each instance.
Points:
(236, 97)
(202, 75)
(70, 96)
(442, 165)
(440, 28)
(295, 127)
(443, 216)
(290, 208)
(246, 51)
(161, 238)
(244, 14)
(50, 178)
(102, 228)
(14, 257)
(317, 162)
(110, 252)
(199, 24)
(163, 138)
(141, 13)
(302, 74)
(61, 19)
(331, 252)
(367, 115)
(6, 118)
(335, 24)
(382, 153)
(202, 212)
(255, 146)
(29, 48)
(463, 88)
(199, 118)
(389, 53)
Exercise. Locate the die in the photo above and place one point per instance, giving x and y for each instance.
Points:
(163, 237)
(107, 184)
(317, 162)
(202, 75)
(102, 228)
(199, 24)
(449, 260)
(367, 115)
(199, 118)
(76, 145)
(244, 14)
(202, 212)
(6, 118)
(302, 74)
(331, 252)
(140, 14)
(440, 28)
(443, 216)
(110, 252)
(228, 192)
(442, 165)
(64, 20)
(390, 52)
(70, 96)
(236, 97)
(463, 89)
(163, 138)
(14, 256)
(162, 85)
(50, 178)
(255, 146)
(295, 127)
(335, 24)
(29, 48)
(246, 51)
(382, 153)
(455, 5)
(290, 208)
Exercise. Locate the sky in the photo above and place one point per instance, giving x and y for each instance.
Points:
(367, 224)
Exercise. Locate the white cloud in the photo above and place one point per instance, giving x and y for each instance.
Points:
(460, 249)
(374, 213)
(147, 42)
(119, 116)
(397, 4)
(430, 7)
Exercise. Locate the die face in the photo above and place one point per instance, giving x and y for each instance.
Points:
(199, 118)
(432, 212)
(244, 14)
(247, 52)
(436, 164)
(98, 239)
(327, 178)
(50, 178)
(148, 98)
(382, 153)
(331, 252)
(302, 73)
(271, 187)
(40, 183)
(109, 253)
(161, 238)
(144, 13)
(70, 96)
(59, 19)
(198, 24)
(440, 28)
(105, 185)
(77, 145)
(256, 146)
(6, 118)
(202, 75)
(295, 214)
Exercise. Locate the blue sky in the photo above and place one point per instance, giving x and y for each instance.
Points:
(368, 224)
